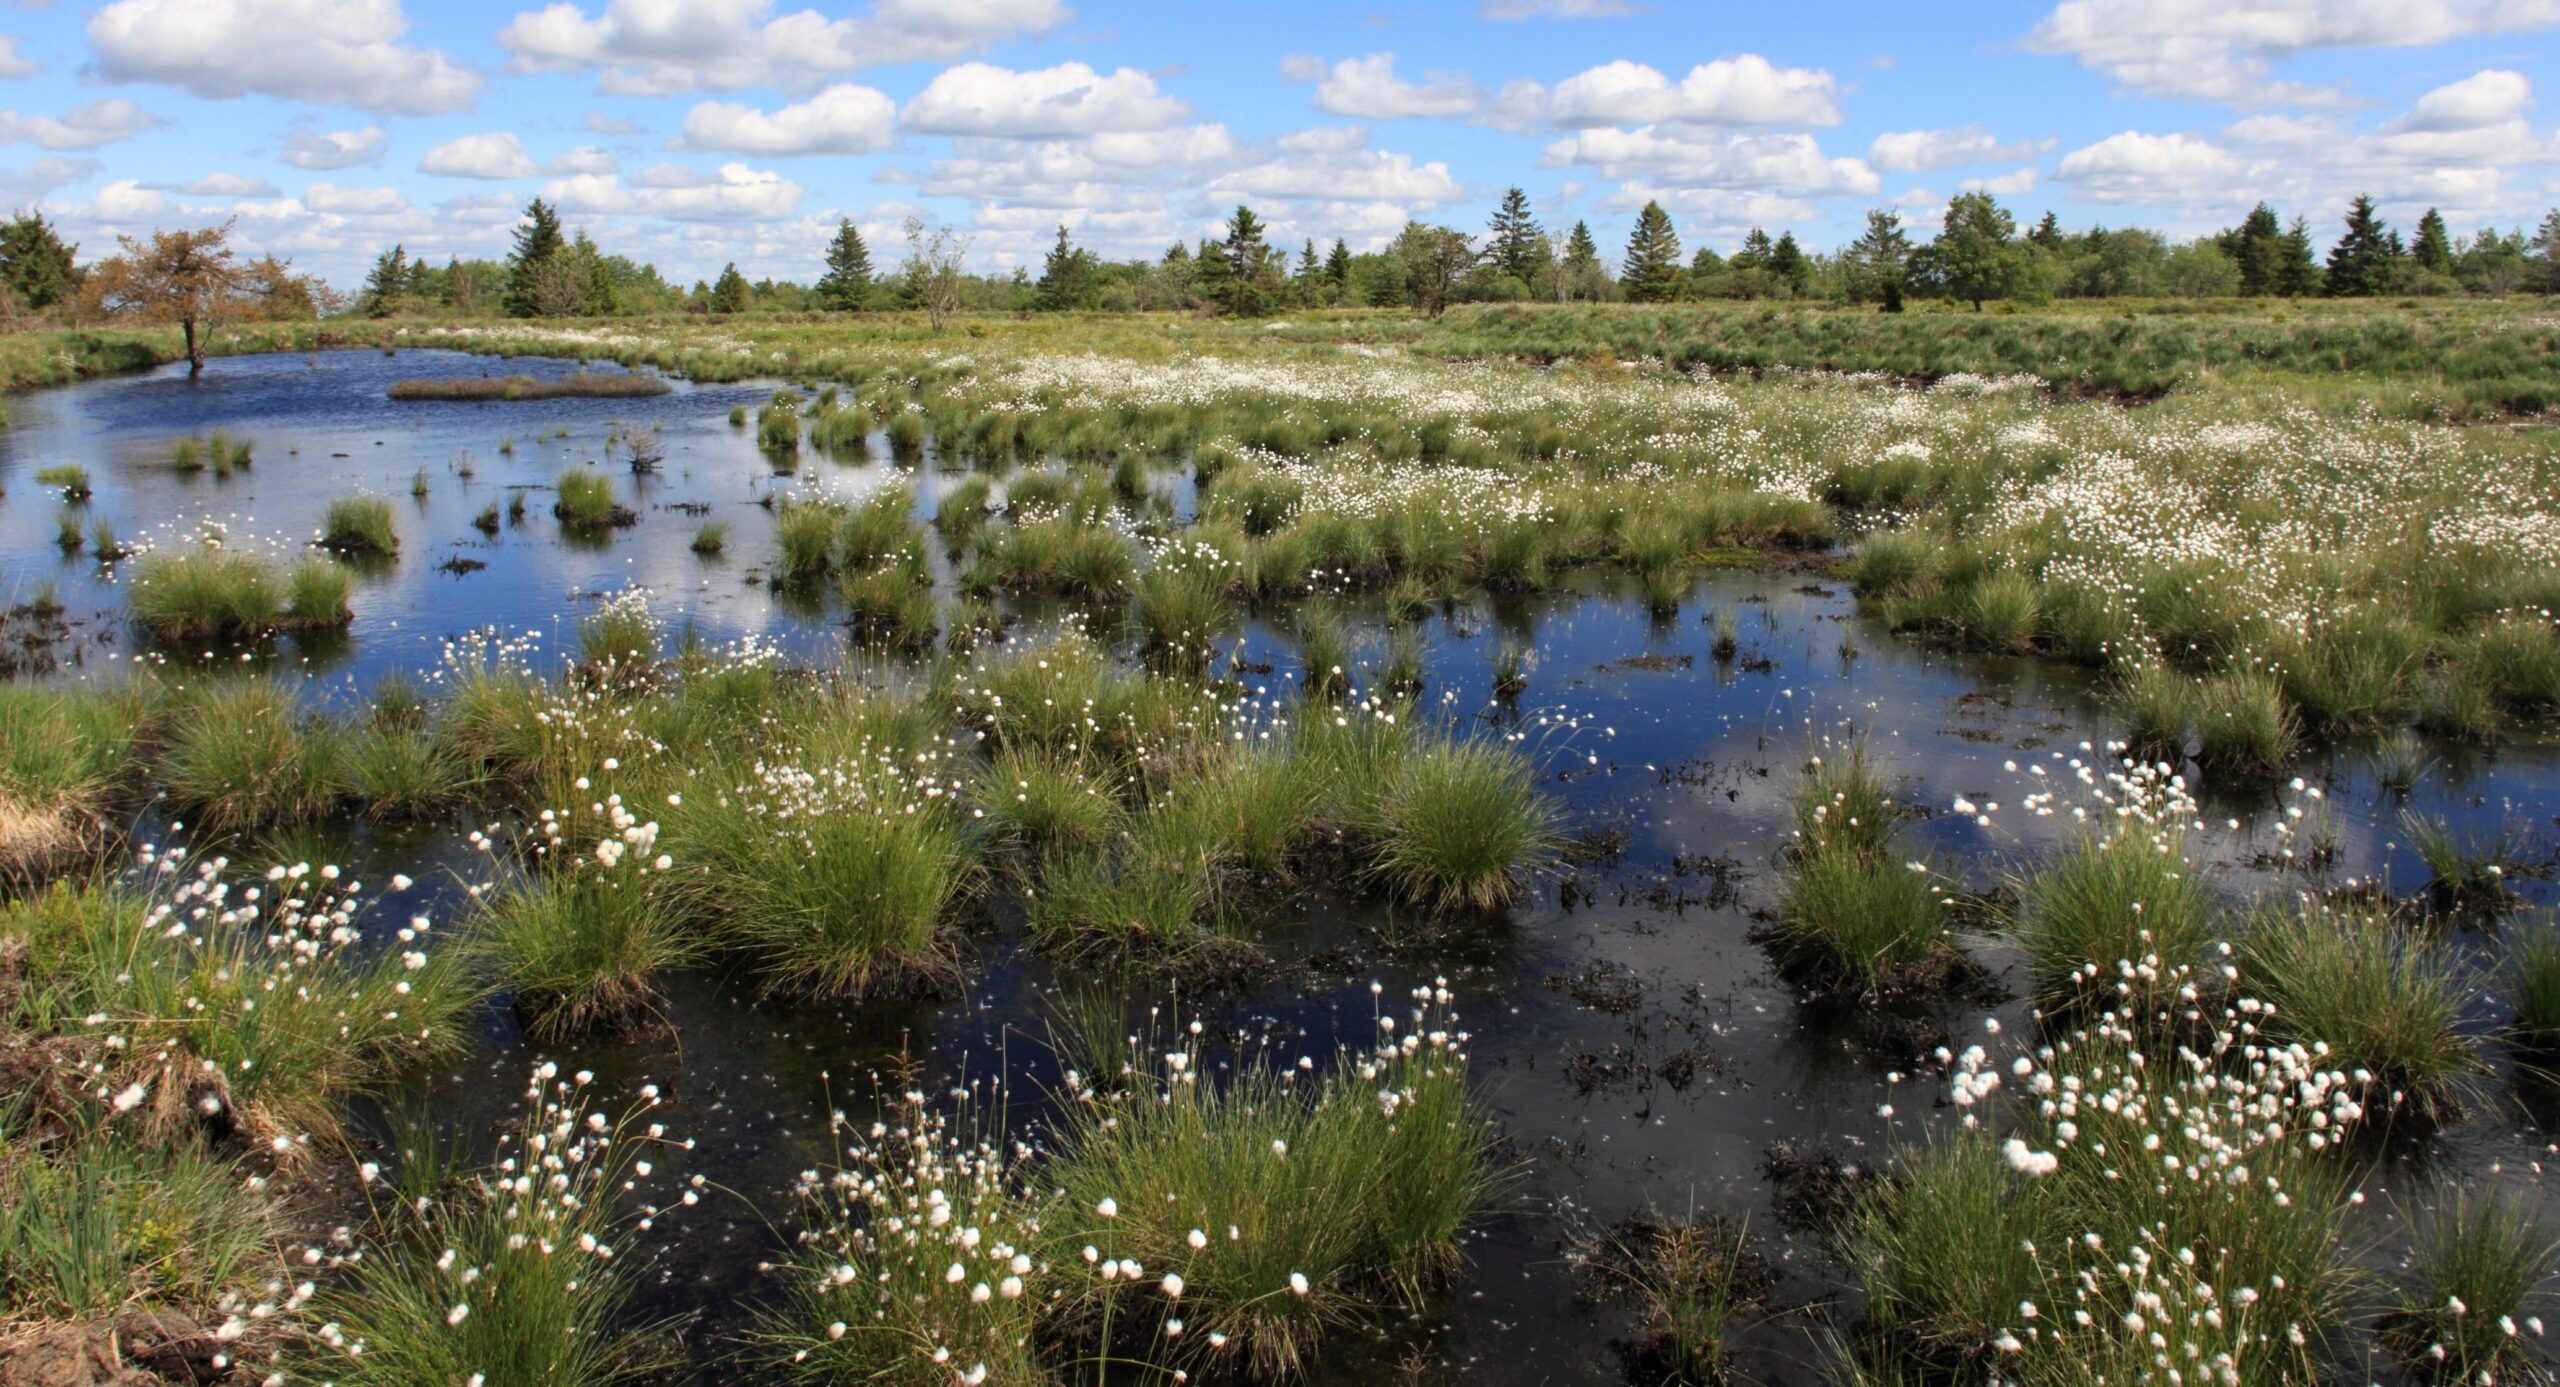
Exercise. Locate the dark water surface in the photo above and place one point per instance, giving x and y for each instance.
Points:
(1628, 1034)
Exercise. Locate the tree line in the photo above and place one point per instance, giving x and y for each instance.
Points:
(1977, 254)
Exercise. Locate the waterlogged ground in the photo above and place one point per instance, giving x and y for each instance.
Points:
(1629, 1035)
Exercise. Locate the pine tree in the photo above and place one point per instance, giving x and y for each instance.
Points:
(1511, 244)
(1652, 271)
(2434, 250)
(729, 294)
(538, 244)
(846, 285)
(35, 265)
(1062, 276)
(2365, 262)
(1245, 293)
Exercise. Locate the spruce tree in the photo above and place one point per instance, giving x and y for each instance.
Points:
(1511, 244)
(729, 293)
(2434, 250)
(35, 265)
(538, 244)
(2048, 232)
(1652, 272)
(2546, 251)
(2366, 260)
(2258, 248)
(846, 285)
(1754, 254)
(387, 285)
(1876, 259)
(1337, 265)
(2298, 272)
(1246, 295)
(1788, 262)
(1062, 276)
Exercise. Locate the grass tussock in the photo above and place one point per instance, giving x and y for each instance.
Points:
(359, 527)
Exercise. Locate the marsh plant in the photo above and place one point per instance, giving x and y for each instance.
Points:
(2477, 1285)
(526, 1272)
(360, 527)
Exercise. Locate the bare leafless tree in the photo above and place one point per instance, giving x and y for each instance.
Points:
(934, 257)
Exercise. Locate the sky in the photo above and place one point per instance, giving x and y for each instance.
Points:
(696, 133)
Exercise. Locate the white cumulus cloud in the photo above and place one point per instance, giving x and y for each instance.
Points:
(843, 119)
(2222, 51)
(324, 150)
(1743, 90)
(663, 47)
(81, 127)
(498, 155)
(1921, 151)
(327, 52)
(1069, 99)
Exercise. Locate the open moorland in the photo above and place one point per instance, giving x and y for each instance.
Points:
(1568, 844)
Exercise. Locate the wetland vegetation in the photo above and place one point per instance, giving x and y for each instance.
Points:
(1096, 849)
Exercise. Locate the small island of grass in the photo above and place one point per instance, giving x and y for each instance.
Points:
(607, 385)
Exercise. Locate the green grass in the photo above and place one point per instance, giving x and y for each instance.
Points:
(2532, 975)
(2480, 1268)
(712, 538)
(264, 1015)
(586, 502)
(359, 526)
(1461, 826)
(604, 385)
(584, 949)
(1687, 1280)
(2244, 726)
(2388, 1003)
(495, 1281)
(1856, 924)
(2115, 921)
(89, 1230)
(205, 593)
(244, 758)
(71, 479)
(1288, 1184)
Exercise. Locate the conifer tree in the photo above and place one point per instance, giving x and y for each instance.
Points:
(35, 265)
(2258, 248)
(1876, 260)
(2434, 250)
(1511, 244)
(2299, 272)
(2366, 260)
(846, 285)
(386, 287)
(1652, 272)
(1063, 281)
(1245, 293)
(729, 292)
(1337, 265)
(538, 244)
(1788, 262)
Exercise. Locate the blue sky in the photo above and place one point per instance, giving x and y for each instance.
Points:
(696, 132)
